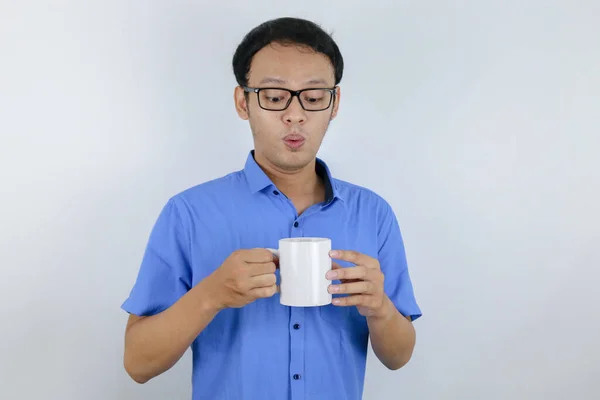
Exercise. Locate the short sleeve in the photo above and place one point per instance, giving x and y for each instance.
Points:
(165, 273)
(392, 259)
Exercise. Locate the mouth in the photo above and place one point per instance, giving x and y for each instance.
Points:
(294, 141)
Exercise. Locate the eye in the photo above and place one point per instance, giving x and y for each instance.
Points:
(274, 96)
(315, 96)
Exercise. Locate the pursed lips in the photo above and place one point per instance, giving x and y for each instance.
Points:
(294, 140)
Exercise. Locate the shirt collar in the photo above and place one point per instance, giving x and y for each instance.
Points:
(258, 180)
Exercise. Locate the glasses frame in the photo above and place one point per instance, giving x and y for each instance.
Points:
(293, 93)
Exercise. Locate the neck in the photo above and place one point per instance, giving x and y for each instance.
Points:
(295, 184)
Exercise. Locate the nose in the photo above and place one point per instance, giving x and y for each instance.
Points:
(294, 114)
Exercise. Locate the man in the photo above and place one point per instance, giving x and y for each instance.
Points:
(208, 281)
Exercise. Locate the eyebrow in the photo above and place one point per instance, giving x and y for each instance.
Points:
(316, 81)
(271, 80)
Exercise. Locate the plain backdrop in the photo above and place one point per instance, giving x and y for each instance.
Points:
(477, 120)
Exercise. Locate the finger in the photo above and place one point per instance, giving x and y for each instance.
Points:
(359, 272)
(354, 257)
(264, 280)
(264, 292)
(257, 269)
(355, 287)
(335, 266)
(257, 255)
(354, 300)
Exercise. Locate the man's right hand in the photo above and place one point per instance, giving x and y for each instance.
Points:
(246, 275)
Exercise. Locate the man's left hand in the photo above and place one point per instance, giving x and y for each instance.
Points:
(363, 283)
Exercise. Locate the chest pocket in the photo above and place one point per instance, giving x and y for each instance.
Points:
(345, 317)
(334, 314)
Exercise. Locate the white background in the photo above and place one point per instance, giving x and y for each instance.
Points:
(477, 120)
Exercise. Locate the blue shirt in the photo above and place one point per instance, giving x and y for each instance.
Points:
(265, 350)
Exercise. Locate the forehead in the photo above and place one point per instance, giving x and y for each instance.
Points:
(291, 66)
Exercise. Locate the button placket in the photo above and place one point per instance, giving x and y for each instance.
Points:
(297, 352)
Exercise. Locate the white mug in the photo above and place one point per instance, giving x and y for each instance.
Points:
(303, 264)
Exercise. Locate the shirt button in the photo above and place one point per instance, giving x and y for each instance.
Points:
(275, 192)
(296, 224)
(296, 326)
(296, 377)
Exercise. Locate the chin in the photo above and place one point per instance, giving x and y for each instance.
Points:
(294, 159)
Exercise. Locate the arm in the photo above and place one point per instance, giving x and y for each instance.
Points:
(392, 334)
(159, 328)
(392, 337)
(167, 311)
(381, 288)
(155, 343)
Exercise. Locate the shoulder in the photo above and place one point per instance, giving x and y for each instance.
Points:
(362, 196)
(211, 188)
(196, 198)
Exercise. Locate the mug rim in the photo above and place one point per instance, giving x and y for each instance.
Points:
(305, 239)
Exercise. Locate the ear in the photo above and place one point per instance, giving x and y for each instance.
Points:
(336, 103)
(241, 105)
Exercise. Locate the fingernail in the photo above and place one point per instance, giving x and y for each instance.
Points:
(331, 275)
(336, 301)
(334, 288)
(333, 253)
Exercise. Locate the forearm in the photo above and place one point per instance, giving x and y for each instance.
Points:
(392, 337)
(154, 344)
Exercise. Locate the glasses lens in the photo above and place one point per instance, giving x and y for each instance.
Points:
(273, 99)
(316, 99)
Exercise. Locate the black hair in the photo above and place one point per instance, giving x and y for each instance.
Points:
(286, 31)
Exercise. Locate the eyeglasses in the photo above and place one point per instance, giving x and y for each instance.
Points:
(278, 99)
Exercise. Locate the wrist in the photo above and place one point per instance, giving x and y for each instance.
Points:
(208, 296)
(384, 313)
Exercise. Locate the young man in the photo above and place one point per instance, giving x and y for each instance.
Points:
(208, 281)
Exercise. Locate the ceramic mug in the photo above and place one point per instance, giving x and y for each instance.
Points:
(303, 264)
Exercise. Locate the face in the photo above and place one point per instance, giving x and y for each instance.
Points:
(287, 140)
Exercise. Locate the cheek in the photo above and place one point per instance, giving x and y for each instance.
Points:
(266, 123)
(320, 122)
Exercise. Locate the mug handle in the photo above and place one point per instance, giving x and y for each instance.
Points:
(276, 254)
(274, 251)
